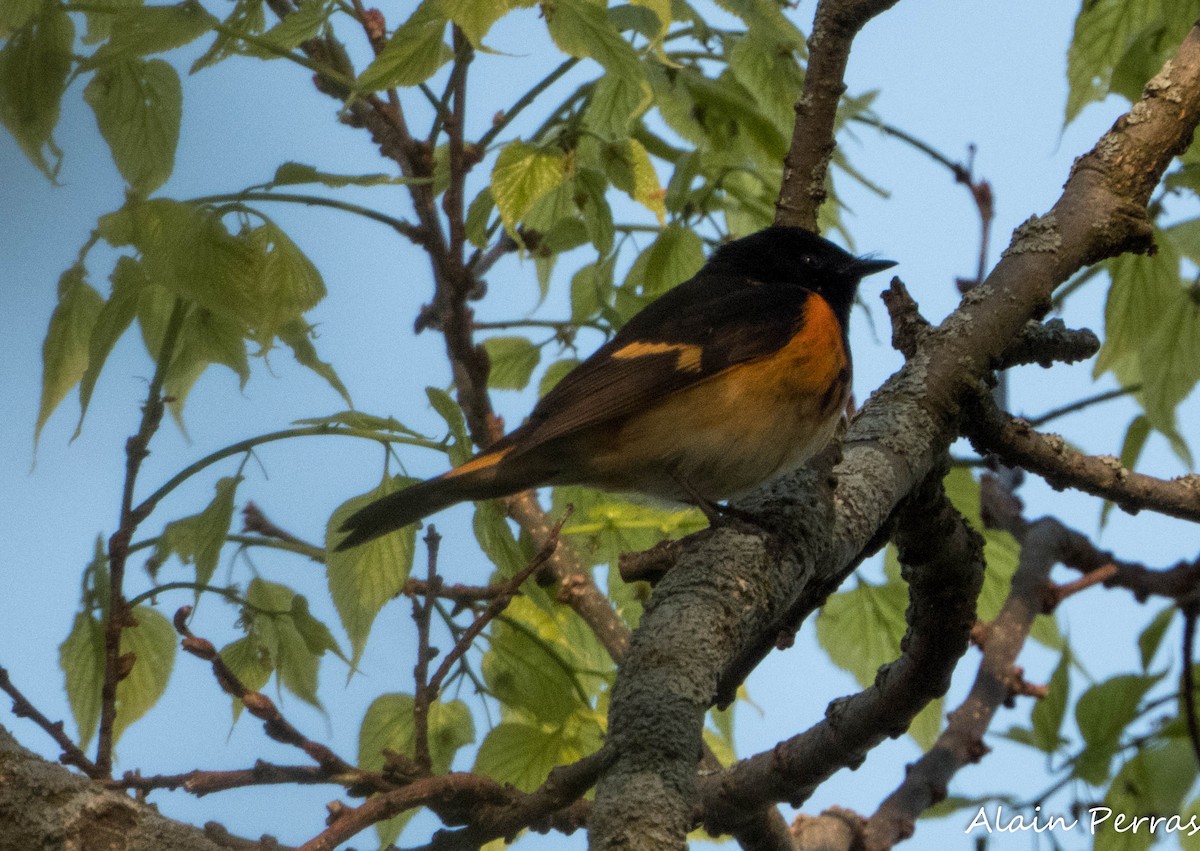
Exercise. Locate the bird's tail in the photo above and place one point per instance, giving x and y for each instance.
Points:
(483, 477)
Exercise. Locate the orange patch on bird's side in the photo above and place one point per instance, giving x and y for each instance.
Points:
(491, 459)
(810, 362)
(689, 355)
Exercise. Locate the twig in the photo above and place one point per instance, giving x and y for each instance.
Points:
(1082, 404)
(202, 782)
(118, 615)
(961, 743)
(425, 693)
(807, 162)
(22, 708)
(262, 707)
(525, 100)
(509, 590)
(405, 229)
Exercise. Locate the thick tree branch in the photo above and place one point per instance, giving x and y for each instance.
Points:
(43, 805)
(926, 780)
(942, 559)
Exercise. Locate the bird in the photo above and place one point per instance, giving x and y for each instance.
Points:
(732, 378)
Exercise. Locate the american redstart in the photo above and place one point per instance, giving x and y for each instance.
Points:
(730, 379)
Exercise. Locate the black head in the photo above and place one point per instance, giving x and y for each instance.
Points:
(790, 255)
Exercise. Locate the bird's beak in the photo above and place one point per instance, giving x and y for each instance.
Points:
(863, 266)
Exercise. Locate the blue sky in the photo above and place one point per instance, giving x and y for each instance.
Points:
(953, 72)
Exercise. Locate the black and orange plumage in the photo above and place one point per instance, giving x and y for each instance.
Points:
(731, 378)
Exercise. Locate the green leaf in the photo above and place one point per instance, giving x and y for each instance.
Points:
(1048, 712)
(496, 539)
(388, 725)
(316, 635)
(81, 657)
(1119, 46)
(415, 51)
(675, 256)
(143, 30)
(128, 282)
(555, 373)
(861, 628)
(590, 189)
(204, 339)
(479, 215)
(186, 249)
(927, 725)
(770, 73)
(630, 170)
(289, 284)
(513, 361)
(1151, 637)
(152, 643)
(522, 175)
(1102, 713)
(198, 539)
(449, 411)
(1153, 782)
(34, 65)
(582, 29)
(1170, 359)
(298, 336)
(14, 14)
(293, 174)
(251, 662)
(1001, 551)
(604, 525)
(138, 107)
(531, 672)
(363, 579)
(363, 421)
(247, 18)
(475, 17)
(618, 101)
(273, 626)
(523, 754)
(300, 25)
(65, 349)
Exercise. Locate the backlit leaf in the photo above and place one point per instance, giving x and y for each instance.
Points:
(414, 52)
(522, 175)
(152, 643)
(1102, 713)
(363, 579)
(198, 539)
(65, 349)
(513, 361)
(388, 725)
(138, 107)
(34, 65)
(144, 30)
(81, 657)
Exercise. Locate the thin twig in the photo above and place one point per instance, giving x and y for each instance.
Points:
(525, 100)
(22, 708)
(425, 693)
(118, 617)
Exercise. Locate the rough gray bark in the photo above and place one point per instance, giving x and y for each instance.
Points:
(46, 806)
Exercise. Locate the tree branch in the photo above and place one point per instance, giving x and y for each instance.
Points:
(806, 167)
(942, 559)
(1017, 443)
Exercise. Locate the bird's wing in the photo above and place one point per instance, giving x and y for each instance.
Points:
(698, 329)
